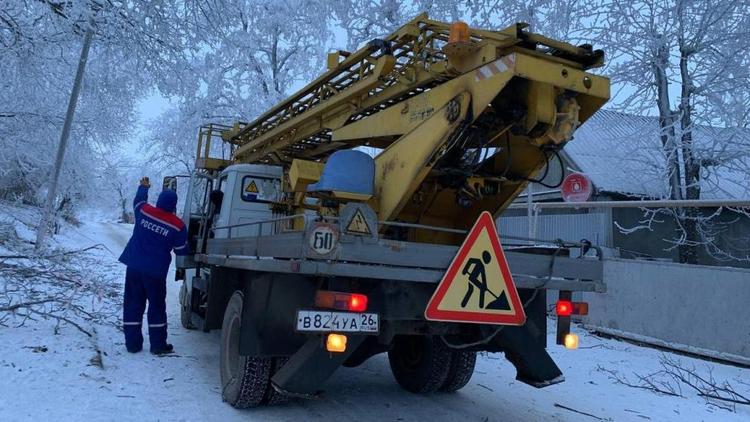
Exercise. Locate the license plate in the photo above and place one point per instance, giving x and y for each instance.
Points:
(346, 322)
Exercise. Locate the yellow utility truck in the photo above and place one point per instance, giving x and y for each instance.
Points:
(352, 218)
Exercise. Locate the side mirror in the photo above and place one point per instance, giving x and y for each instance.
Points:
(169, 182)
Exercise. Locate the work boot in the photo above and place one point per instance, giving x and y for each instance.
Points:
(167, 349)
(134, 349)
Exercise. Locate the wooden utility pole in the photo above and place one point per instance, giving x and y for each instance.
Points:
(48, 214)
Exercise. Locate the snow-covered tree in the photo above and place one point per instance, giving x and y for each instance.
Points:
(685, 61)
(244, 63)
(363, 20)
(136, 45)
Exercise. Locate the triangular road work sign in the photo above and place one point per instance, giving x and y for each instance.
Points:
(478, 286)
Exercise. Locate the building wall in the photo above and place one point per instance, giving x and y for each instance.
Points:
(693, 308)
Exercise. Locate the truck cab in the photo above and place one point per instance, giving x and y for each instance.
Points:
(247, 190)
(227, 202)
(222, 204)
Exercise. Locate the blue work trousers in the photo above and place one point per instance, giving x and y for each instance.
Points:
(140, 288)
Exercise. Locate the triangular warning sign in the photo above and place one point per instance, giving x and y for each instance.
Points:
(477, 287)
(252, 187)
(358, 224)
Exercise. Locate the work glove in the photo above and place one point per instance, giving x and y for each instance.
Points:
(145, 182)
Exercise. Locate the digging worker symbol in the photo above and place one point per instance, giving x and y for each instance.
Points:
(147, 255)
(474, 268)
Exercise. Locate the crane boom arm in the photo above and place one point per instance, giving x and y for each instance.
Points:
(465, 119)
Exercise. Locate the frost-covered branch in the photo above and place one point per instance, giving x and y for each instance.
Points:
(704, 385)
(673, 376)
(68, 286)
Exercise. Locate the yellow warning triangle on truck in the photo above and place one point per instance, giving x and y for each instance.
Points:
(478, 287)
(358, 224)
(251, 187)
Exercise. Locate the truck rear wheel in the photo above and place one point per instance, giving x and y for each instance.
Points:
(273, 397)
(461, 370)
(185, 311)
(244, 379)
(420, 364)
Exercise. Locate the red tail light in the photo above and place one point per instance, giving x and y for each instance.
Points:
(568, 308)
(357, 303)
(353, 302)
(564, 308)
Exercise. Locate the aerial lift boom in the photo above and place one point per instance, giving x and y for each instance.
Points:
(465, 117)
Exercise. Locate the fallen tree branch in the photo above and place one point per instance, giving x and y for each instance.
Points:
(673, 375)
(579, 412)
(26, 305)
(72, 291)
(77, 251)
(62, 318)
(646, 382)
(704, 387)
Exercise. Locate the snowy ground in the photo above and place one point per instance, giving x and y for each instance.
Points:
(47, 376)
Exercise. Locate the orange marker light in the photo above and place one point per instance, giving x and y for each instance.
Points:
(459, 33)
(571, 341)
(336, 343)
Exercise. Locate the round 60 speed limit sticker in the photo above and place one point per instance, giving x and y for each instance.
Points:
(323, 239)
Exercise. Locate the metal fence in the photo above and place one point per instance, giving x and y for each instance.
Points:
(596, 227)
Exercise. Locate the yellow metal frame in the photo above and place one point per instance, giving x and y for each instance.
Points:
(421, 98)
(208, 135)
(406, 63)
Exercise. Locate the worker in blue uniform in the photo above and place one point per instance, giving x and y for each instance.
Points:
(147, 256)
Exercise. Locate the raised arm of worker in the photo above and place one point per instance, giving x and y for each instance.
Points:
(141, 196)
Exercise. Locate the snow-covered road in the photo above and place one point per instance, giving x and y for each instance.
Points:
(49, 377)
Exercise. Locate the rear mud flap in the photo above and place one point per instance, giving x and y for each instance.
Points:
(534, 366)
(307, 370)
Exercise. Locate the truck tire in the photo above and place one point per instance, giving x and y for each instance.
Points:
(185, 312)
(244, 379)
(420, 364)
(461, 370)
(273, 397)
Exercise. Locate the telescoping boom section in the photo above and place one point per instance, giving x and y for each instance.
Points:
(462, 119)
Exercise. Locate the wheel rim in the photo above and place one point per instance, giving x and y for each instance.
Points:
(231, 353)
(184, 302)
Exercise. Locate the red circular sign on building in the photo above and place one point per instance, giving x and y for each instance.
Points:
(576, 187)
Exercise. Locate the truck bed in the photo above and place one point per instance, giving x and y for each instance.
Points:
(393, 260)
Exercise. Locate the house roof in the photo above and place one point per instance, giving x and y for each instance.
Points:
(623, 153)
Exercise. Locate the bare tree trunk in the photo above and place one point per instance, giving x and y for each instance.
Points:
(688, 250)
(52, 192)
(124, 215)
(666, 121)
